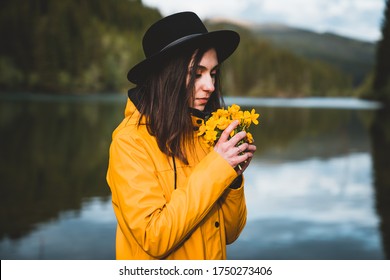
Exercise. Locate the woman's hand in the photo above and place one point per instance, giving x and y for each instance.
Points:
(238, 157)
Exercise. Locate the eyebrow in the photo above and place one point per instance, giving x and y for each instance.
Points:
(201, 67)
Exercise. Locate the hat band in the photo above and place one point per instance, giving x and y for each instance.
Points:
(182, 39)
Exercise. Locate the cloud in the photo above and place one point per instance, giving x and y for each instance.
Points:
(354, 18)
(204, 8)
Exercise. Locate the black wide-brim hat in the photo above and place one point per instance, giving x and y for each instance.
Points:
(175, 32)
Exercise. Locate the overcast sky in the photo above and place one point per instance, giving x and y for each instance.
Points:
(360, 19)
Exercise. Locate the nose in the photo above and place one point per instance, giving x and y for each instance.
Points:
(208, 83)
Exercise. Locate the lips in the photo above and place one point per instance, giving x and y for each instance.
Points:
(202, 100)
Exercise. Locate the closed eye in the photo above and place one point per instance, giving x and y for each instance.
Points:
(201, 69)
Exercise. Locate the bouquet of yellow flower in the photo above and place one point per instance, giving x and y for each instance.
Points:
(213, 127)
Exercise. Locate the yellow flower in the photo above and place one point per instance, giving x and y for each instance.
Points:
(239, 115)
(249, 137)
(210, 136)
(233, 109)
(254, 117)
(247, 118)
(211, 123)
(223, 123)
(250, 117)
(213, 127)
(220, 113)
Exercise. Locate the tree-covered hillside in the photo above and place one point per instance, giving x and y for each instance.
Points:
(70, 46)
(352, 56)
(82, 47)
(259, 68)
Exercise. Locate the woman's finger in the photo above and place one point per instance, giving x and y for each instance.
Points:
(237, 138)
(251, 148)
(226, 133)
(242, 148)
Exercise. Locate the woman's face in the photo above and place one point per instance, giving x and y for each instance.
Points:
(205, 79)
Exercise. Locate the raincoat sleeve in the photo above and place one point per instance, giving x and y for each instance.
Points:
(234, 210)
(140, 205)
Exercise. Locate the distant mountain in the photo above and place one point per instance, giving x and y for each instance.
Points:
(350, 55)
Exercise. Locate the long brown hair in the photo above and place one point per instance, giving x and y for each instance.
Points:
(164, 101)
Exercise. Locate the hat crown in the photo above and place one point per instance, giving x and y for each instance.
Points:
(181, 31)
(170, 29)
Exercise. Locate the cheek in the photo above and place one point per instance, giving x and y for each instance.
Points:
(196, 86)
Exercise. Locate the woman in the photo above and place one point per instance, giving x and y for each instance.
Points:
(173, 197)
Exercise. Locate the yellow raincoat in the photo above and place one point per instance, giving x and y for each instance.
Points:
(156, 221)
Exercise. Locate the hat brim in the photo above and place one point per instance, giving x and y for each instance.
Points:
(224, 41)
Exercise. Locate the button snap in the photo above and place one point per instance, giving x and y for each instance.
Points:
(198, 121)
(216, 224)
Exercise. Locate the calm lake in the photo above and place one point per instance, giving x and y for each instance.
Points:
(318, 188)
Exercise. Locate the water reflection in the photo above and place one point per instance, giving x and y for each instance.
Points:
(311, 209)
(53, 156)
(85, 234)
(310, 189)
